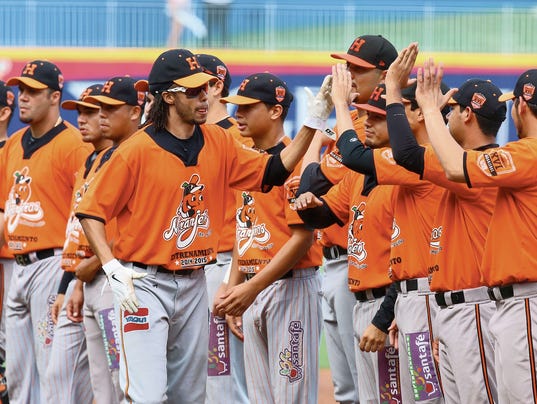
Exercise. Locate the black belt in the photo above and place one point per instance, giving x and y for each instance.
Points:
(287, 275)
(411, 285)
(164, 270)
(27, 259)
(334, 252)
(361, 296)
(456, 298)
(505, 292)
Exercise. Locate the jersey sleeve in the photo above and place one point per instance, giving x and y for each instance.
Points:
(111, 188)
(338, 197)
(389, 173)
(510, 166)
(433, 172)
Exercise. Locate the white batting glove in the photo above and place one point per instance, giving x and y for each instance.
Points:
(320, 106)
(120, 280)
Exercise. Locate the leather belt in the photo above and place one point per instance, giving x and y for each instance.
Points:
(501, 292)
(34, 256)
(456, 298)
(412, 285)
(333, 252)
(370, 294)
(286, 275)
(164, 270)
(474, 295)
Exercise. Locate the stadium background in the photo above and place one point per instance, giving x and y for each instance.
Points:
(94, 41)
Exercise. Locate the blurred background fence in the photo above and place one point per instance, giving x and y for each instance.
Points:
(311, 25)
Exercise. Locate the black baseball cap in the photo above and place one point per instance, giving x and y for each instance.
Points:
(39, 74)
(175, 66)
(261, 87)
(524, 87)
(215, 67)
(372, 51)
(94, 89)
(482, 97)
(7, 96)
(409, 93)
(118, 91)
(376, 102)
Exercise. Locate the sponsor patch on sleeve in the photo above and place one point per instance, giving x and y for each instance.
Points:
(496, 162)
(388, 155)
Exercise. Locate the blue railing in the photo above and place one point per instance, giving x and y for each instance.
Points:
(460, 26)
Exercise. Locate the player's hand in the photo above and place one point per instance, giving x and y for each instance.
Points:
(436, 355)
(373, 339)
(237, 299)
(120, 279)
(57, 307)
(76, 303)
(342, 85)
(306, 201)
(86, 270)
(428, 92)
(393, 333)
(219, 298)
(398, 74)
(235, 325)
(320, 106)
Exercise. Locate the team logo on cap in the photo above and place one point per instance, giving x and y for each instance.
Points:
(87, 92)
(280, 93)
(478, 100)
(60, 81)
(357, 44)
(221, 72)
(10, 98)
(528, 91)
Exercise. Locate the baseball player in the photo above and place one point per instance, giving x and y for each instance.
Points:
(368, 209)
(367, 59)
(415, 203)
(461, 226)
(121, 107)
(280, 303)
(37, 183)
(7, 106)
(68, 368)
(155, 266)
(507, 270)
(225, 378)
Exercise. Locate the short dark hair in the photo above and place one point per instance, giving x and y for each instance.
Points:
(488, 126)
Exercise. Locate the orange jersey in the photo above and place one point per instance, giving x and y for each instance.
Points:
(263, 222)
(369, 232)
(76, 246)
(460, 230)
(4, 251)
(227, 234)
(38, 176)
(510, 247)
(335, 171)
(415, 205)
(169, 212)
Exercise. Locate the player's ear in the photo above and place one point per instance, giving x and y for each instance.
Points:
(218, 86)
(136, 113)
(55, 97)
(421, 118)
(276, 111)
(5, 113)
(168, 98)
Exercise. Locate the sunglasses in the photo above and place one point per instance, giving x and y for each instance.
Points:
(189, 92)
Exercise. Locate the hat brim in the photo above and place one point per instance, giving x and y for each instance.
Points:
(370, 108)
(195, 80)
(142, 85)
(452, 101)
(507, 96)
(102, 99)
(32, 83)
(72, 105)
(239, 100)
(352, 60)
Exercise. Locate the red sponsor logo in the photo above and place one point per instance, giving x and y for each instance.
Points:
(136, 321)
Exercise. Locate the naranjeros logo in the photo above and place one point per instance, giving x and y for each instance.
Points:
(291, 359)
(191, 215)
(248, 229)
(19, 208)
(355, 245)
